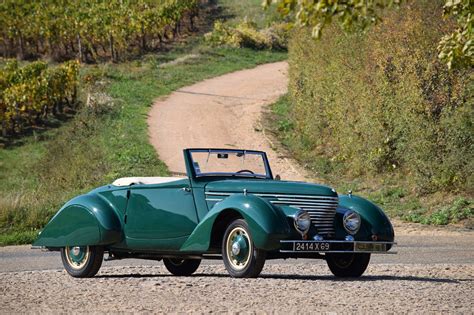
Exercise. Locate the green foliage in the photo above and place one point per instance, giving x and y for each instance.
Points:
(460, 209)
(350, 14)
(457, 49)
(89, 29)
(250, 10)
(33, 92)
(245, 34)
(381, 103)
(24, 237)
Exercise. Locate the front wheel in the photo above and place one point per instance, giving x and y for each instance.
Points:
(241, 258)
(181, 267)
(82, 261)
(348, 265)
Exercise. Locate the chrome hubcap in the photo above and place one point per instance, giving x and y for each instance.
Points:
(235, 249)
(76, 250)
(77, 256)
(239, 248)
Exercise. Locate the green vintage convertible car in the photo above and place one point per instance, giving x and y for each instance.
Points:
(229, 207)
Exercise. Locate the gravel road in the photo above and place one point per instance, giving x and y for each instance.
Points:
(432, 272)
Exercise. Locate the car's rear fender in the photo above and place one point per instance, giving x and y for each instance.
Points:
(268, 225)
(84, 220)
(374, 221)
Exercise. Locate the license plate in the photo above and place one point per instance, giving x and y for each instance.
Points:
(370, 247)
(311, 246)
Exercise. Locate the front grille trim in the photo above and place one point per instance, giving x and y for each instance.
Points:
(321, 209)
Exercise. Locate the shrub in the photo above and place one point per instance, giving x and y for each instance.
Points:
(380, 102)
(246, 35)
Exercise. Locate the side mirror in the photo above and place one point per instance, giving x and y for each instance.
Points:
(278, 177)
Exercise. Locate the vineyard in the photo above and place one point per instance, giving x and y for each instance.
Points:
(90, 30)
(32, 93)
(84, 31)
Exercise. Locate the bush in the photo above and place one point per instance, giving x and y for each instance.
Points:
(460, 209)
(246, 35)
(381, 103)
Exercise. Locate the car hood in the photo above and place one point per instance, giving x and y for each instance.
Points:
(270, 187)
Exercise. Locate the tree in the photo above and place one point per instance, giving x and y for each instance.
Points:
(455, 49)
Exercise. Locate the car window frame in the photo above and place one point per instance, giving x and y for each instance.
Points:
(269, 174)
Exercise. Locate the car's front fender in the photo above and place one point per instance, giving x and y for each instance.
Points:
(267, 224)
(84, 220)
(374, 221)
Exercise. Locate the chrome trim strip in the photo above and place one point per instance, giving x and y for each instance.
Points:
(212, 199)
(275, 195)
(317, 206)
(313, 200)
(308, 203)
(297, 196)
(217, 193)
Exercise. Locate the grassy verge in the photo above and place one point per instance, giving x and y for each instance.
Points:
(251, 10)
(107, 139)
(392, 192)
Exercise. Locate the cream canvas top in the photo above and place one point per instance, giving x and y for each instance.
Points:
(127, 181)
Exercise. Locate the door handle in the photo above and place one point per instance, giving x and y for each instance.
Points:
(186, 189)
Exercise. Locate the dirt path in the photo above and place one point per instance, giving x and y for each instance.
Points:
(223, 112)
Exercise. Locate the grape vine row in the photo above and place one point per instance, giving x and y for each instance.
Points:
(32, 93)
(90, 30)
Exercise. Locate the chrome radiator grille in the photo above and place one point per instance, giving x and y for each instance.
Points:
(322, 209)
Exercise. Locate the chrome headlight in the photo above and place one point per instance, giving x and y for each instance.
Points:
(351, 222)
(302, 222)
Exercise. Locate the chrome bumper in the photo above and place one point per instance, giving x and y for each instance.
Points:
(333, 246)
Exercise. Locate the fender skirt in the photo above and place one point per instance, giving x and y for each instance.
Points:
(268, 225)
(84, 220)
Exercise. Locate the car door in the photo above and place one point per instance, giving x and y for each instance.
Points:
(160, 216)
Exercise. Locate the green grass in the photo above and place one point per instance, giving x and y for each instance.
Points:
(252, 10)
(391, 192)
(106, 140)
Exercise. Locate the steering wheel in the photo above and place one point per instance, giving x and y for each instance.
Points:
(245, 171)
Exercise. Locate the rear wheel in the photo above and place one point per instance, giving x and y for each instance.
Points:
(241, 258)
(348, 265)
(181, 267)
(82, 261)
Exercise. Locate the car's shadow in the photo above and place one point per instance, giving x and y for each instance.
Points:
(298, 277)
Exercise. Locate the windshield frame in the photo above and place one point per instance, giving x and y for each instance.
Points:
(268, 171)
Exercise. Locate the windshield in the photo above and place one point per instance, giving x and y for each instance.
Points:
(212, 162)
